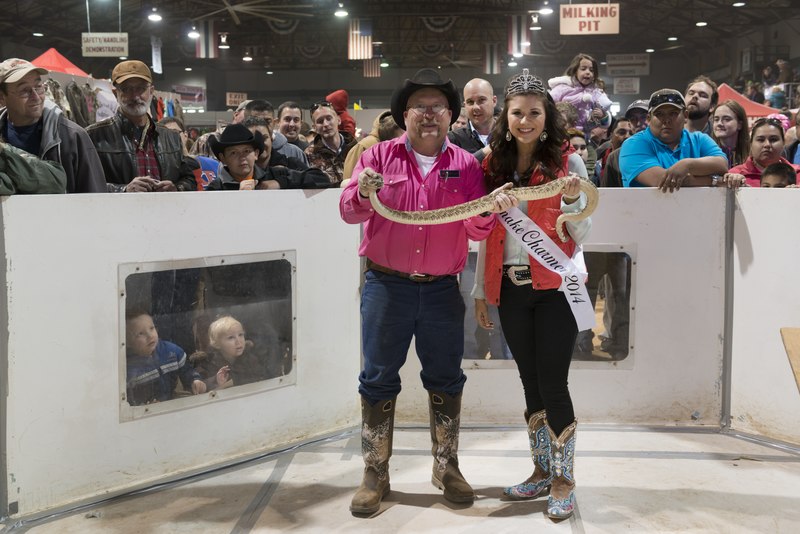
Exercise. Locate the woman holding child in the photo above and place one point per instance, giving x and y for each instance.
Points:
(530, 147)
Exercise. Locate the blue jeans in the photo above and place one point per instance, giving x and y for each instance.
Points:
(394, 309)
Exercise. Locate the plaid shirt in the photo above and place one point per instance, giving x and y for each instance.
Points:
(146, 162)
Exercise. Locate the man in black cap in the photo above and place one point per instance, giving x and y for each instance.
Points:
(637, 114)
(411, 289)
(665, 155)
(137, 154)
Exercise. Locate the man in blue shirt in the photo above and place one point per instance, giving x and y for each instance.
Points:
(665, 155)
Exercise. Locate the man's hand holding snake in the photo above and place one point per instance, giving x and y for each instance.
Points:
(369, 181)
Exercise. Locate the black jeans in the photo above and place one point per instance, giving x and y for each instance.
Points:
(540, 331)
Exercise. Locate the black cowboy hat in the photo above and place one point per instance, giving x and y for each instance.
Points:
(236, 134)
(424, 78)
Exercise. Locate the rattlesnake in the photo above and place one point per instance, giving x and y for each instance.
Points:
(485, 203)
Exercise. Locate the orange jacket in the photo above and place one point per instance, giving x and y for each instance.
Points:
(543, 212)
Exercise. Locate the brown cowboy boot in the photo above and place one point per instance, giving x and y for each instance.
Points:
(539, 482)
(561, 502)
(377, 422)
(445, 420)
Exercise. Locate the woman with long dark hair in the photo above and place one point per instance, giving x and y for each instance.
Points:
(530, 147)
(730, 131)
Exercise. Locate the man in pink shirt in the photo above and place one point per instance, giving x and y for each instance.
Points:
(411, 287)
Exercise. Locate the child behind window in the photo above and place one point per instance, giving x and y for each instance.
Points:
(154, 365)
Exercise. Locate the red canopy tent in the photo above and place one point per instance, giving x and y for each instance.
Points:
(752, 109)
(54, 61)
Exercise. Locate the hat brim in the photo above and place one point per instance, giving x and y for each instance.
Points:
(400, 99)
(126, 77)
(17, 75)
(676, 106)
(218, 147)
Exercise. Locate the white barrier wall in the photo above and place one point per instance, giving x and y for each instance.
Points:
(766, 297)
(64, 438)
(673, 374)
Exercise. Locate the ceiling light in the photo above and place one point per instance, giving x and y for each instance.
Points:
(536, 28)
(525, 43)
(123, 58)
(38, 34)
(223, 41)
(341, 12)
(738, 4)
(194, 34)
(649, 50)
(188, 69)
(672, 38)
(154, 16)
(384, 64)
(604, 63)
(270, 72)
(518, 55)
(512, 63)
(701, 24)
(247, 57)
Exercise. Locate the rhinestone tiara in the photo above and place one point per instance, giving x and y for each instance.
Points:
(525, 83)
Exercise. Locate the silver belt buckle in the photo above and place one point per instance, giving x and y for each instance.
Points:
(512, 274)
(419, 277)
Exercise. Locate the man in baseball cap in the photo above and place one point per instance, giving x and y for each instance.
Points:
(665, 155)
(137, 154)
(32, 123)
(637, 114)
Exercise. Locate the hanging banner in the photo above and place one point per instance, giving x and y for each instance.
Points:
(104, 44)
(491, 61)
(372, 68)
(589, 19)
(359, 39)
(155, 44)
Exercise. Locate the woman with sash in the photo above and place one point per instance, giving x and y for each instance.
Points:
(535, 282)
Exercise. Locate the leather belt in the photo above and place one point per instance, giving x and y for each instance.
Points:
(414, 277)
(518, 274)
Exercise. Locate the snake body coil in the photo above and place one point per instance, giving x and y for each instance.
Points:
(485, 203)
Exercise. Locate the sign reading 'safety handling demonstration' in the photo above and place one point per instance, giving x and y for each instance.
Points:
(104, 44)
(589, 19)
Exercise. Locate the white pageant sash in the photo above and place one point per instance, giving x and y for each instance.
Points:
(540, 247)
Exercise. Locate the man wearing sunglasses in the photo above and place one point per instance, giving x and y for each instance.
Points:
(411, 287)
(329, 149)
(667, 156)
(36, 125)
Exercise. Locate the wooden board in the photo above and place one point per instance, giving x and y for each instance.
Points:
(791, 341)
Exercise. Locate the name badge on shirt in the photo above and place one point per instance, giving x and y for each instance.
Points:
(448, 174)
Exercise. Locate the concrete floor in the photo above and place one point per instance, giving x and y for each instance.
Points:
(629, 480)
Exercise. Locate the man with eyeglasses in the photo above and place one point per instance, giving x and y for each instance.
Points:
(138, 155)
(329, 149)
(667, 156)
(479, 102)
(36, 125)
(411, 286)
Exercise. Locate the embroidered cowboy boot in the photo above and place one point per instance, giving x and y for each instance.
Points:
(377, 422)
(445, 414)
(539, 482)
(561, 502)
